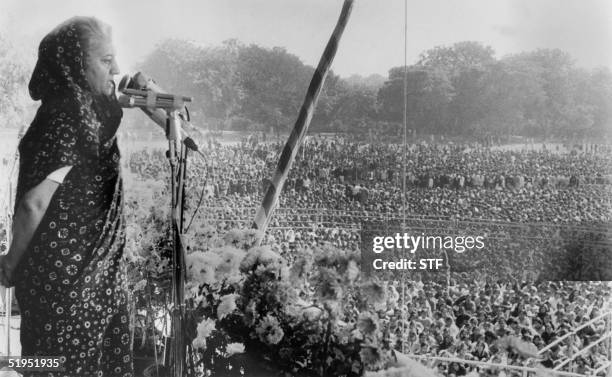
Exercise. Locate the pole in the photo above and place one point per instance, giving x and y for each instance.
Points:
(9, 212)
(8, 294)
(404, 162)
(264, 213)
(610, 344)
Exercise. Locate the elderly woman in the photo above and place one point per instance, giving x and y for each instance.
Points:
(65, 258)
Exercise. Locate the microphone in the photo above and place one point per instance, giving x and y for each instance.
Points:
(142, 92)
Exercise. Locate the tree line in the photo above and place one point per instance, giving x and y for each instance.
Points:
(461, 89)
(453, 90)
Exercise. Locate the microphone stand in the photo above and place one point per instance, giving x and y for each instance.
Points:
(177, 157)
(164, 109)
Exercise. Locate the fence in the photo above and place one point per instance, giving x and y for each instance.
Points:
(526, 371)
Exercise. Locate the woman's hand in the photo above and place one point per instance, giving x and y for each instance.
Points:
(7, 269)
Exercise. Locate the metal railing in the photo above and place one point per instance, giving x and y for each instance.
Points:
(526, 371)
(531, 371)
(606, 336)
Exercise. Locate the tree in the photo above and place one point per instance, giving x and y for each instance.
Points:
(209, 75)
(595, 92)
(459, 89)
(458, 58)
(557, 77)
(429, 91)
(15, 104)
(373, 82)
(464, 63)
(273, 82)
(355, 107)
(218, 77)
(512, 97)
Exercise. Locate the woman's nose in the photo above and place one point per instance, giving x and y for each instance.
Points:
(115, 68)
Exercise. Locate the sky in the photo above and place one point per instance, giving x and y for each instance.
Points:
(373, 41)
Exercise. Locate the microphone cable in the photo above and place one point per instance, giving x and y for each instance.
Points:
(193, 146)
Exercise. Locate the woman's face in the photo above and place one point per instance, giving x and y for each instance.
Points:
(102, 67)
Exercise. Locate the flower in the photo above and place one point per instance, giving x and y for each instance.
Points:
(374, 292)
(269, 330)
(227, 305)
(229, 266)
(205, 328)
(367, 323)
(352, 271)
(140, 285)
(241, 238)
(233, 237)
(258, 255)
(370, 355)
(413, 368)
(201, 267)
(250, 313)
(312, 313)
(234, 348)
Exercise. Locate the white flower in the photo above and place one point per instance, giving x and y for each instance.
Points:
(227, 305)
(258, 255)
(312, 313)
(269, 330)
(205, 328)
(140, 285)
(234, 348)
(352, 271)
(356, 334)
(201, 267)
(229, 266)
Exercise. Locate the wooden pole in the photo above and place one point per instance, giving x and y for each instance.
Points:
(264, 213)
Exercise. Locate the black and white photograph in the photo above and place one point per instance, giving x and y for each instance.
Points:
(319, 188)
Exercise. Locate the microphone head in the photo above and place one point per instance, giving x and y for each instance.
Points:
(140, 81)
(125, 83)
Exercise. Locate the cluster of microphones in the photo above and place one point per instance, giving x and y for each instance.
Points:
(142, 92)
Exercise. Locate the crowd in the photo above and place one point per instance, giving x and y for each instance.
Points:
(526, 201)
(321, 203)
(335, 187)
(454, 181)
(476, 322)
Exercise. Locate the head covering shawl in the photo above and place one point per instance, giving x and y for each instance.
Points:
(72, 122)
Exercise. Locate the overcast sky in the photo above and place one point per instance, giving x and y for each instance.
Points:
(373, 41)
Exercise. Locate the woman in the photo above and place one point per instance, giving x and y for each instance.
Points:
(68, 228)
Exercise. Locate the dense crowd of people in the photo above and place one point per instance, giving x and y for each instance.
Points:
(335, 187)
(449, 181)
(480, 321)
